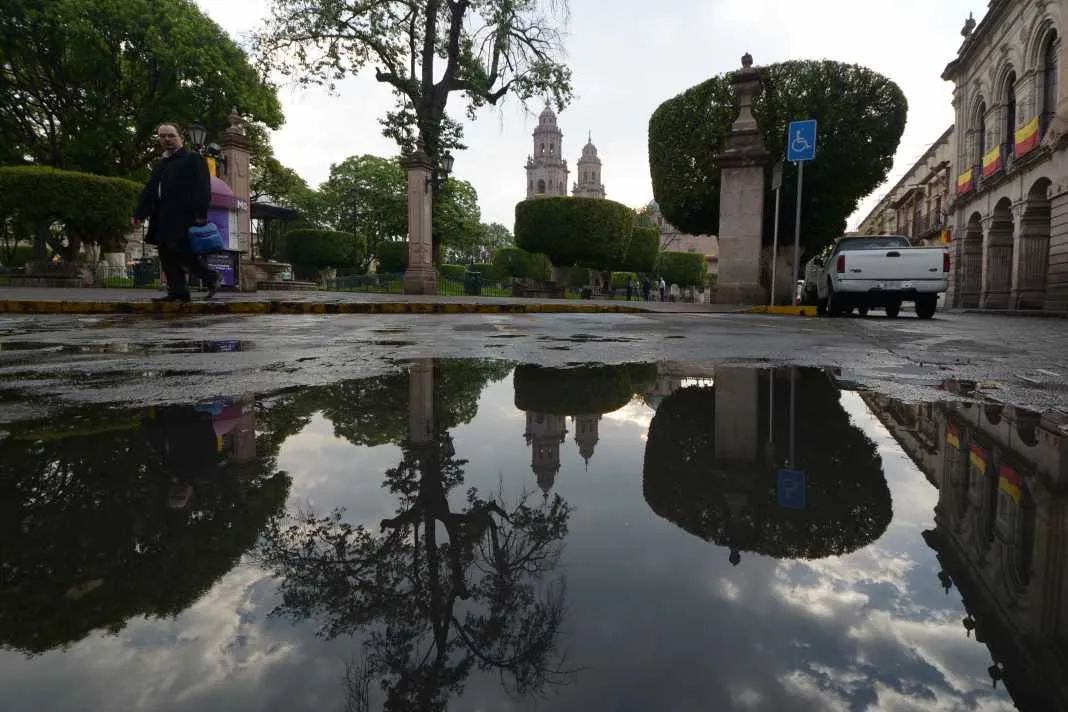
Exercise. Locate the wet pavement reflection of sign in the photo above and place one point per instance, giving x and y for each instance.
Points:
(791, 489)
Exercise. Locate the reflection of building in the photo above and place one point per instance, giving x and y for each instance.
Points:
(545, 434)
(586, 434)
(1001, 532)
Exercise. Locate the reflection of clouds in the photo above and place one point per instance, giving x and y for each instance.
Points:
(636, 413)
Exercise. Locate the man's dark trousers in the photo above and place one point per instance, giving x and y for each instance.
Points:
(175, 258)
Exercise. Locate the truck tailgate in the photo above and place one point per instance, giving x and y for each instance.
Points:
(907, 264)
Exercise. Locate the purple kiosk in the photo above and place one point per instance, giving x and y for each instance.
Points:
(223, 211)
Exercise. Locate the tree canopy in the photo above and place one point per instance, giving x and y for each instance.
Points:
(687, 479)
(861, 117)
(85, 83)
(590, 231)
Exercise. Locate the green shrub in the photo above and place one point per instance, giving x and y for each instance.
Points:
(93, 209)
(619, 280)
(578, 277)
(309, 248)
(118, 282)
(518, 263)
(487, 270)
(593, 231)
(392, 257)
(686, 269)
(453, 272)
(21, 255)
(644, 250)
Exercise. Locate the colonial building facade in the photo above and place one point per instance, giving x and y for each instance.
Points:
(1009, 216)
(674, 240)
(917, 205)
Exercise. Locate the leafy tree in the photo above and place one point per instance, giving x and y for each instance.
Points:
(686, 269)
(573, 391)
(271, 181)
(520, 264)
(644, 249)
(861, 117)
(392, 257)
(734, 503)
(85, 83)
(310, 249)
(115, 514)
(593, 231)
(457, 218)
(425, 50)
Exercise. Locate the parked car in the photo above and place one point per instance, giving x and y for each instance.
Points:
(877, 272)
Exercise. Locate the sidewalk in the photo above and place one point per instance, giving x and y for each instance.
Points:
(20, 300)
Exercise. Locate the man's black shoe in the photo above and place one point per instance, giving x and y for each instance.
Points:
(213, 284)
(172, 298)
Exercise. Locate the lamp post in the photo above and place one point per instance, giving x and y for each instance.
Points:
(198, 136)
(440, 174)
(423, 176)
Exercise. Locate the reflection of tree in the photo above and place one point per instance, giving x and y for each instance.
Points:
(593, 389)
(847, 499)
(113, 517)
(438, 592)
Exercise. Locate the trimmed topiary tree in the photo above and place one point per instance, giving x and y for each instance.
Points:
(593, 231)
(520, 264)
(487, 270)
(643, 251)
(392, 257)
(572, 391)
(453, 272)
(321, 249)
(686, 269)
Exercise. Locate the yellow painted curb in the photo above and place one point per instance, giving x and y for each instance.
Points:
(42, 306)
(784, 310)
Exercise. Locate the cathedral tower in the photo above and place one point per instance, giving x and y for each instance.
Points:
(544, 434)
(547, 173)
(589, 173)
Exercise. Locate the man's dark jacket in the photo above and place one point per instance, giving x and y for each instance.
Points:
(176, 197)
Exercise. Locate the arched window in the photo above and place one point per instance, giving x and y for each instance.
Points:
(1010, 114)
(980, 135)
(1049, 81)
(541, 186)
(543, 149)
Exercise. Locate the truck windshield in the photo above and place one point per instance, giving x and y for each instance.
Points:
(875, 242)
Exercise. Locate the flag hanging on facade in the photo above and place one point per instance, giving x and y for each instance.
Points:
(965, 181)
(992, 161)
(978, 458)
(1010, 483)
(953, 436)
(947, 236)
(1027, 137)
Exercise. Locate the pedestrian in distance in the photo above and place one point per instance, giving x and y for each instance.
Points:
(647, 287)
(663, 290)
(630, 288)
(175, 199)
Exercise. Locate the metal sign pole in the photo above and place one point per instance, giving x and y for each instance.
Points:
(776, 183)
(797, 221)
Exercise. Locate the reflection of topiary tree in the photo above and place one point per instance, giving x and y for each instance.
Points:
(579, 390)
(847, 500)
(403, 584)
(91, 531)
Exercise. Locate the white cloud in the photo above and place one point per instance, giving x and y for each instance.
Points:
(626, 60)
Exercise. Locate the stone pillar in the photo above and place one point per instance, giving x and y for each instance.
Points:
(741, 198)
(997, 265)
(737, 416)
(1032, 258)
(971, 268)
(420, 277)
(235, 173)
(1057, 269)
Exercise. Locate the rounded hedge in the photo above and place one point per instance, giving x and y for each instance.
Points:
(644, 249)
(92, 208)
(619, 280)
(392, 257)
(593, 231)
(487, 270)
(320, 249)
(453, 272)
(584, 390)
(686, 269)
(520, 264)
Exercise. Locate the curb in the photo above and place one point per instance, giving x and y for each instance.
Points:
(783, 310)
(16, 306)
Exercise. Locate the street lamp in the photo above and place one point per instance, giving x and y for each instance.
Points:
(440, 175)
(197, 134)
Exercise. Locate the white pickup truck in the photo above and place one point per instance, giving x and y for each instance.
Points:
(877, 272)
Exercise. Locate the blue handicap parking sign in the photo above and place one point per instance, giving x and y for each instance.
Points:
(801, 140)
(791, 489)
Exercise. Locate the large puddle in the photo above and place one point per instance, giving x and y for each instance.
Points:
(472, 535)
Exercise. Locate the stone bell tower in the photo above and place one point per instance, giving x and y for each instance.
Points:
(546, 168)
(234, 147)
(589, 183)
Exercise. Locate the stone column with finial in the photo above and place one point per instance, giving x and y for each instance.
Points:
(741, 198)
(420, 277)
(235, 150)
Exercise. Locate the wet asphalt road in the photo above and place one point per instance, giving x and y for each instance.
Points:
(46, 361)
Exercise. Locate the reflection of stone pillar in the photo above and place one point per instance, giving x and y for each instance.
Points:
(421, 401)
(420, 277)
(741, 198)
(235, 149)
(737, 415)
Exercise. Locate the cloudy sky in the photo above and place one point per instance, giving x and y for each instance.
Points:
(627, 60)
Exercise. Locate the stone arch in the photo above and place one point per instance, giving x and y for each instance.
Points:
(998, 257)
(1041, 32)
(970, 272)
(541, 186)
(1027, 424)
(1046, 90)
(977, 134)
(992, 411)
(1029, 285)
(1006, 94)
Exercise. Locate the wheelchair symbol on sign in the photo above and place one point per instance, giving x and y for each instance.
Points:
(801, 144)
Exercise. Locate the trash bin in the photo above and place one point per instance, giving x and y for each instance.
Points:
(473, 284)
(145, 271)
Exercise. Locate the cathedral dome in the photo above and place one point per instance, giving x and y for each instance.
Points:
(547, 117)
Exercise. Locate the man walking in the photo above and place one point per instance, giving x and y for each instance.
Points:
(176, 198)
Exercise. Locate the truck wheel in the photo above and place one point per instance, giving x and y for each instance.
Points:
(926, 306)
(834, 302)
(811, 298)
(893, 309)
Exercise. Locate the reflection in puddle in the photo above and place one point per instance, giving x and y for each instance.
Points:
(473, 532)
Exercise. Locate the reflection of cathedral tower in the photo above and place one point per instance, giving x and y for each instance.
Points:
(545, 433)
(589, 183)
(586, 434)
(546, 169)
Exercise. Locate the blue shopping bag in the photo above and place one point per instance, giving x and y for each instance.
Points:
(205, 239)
